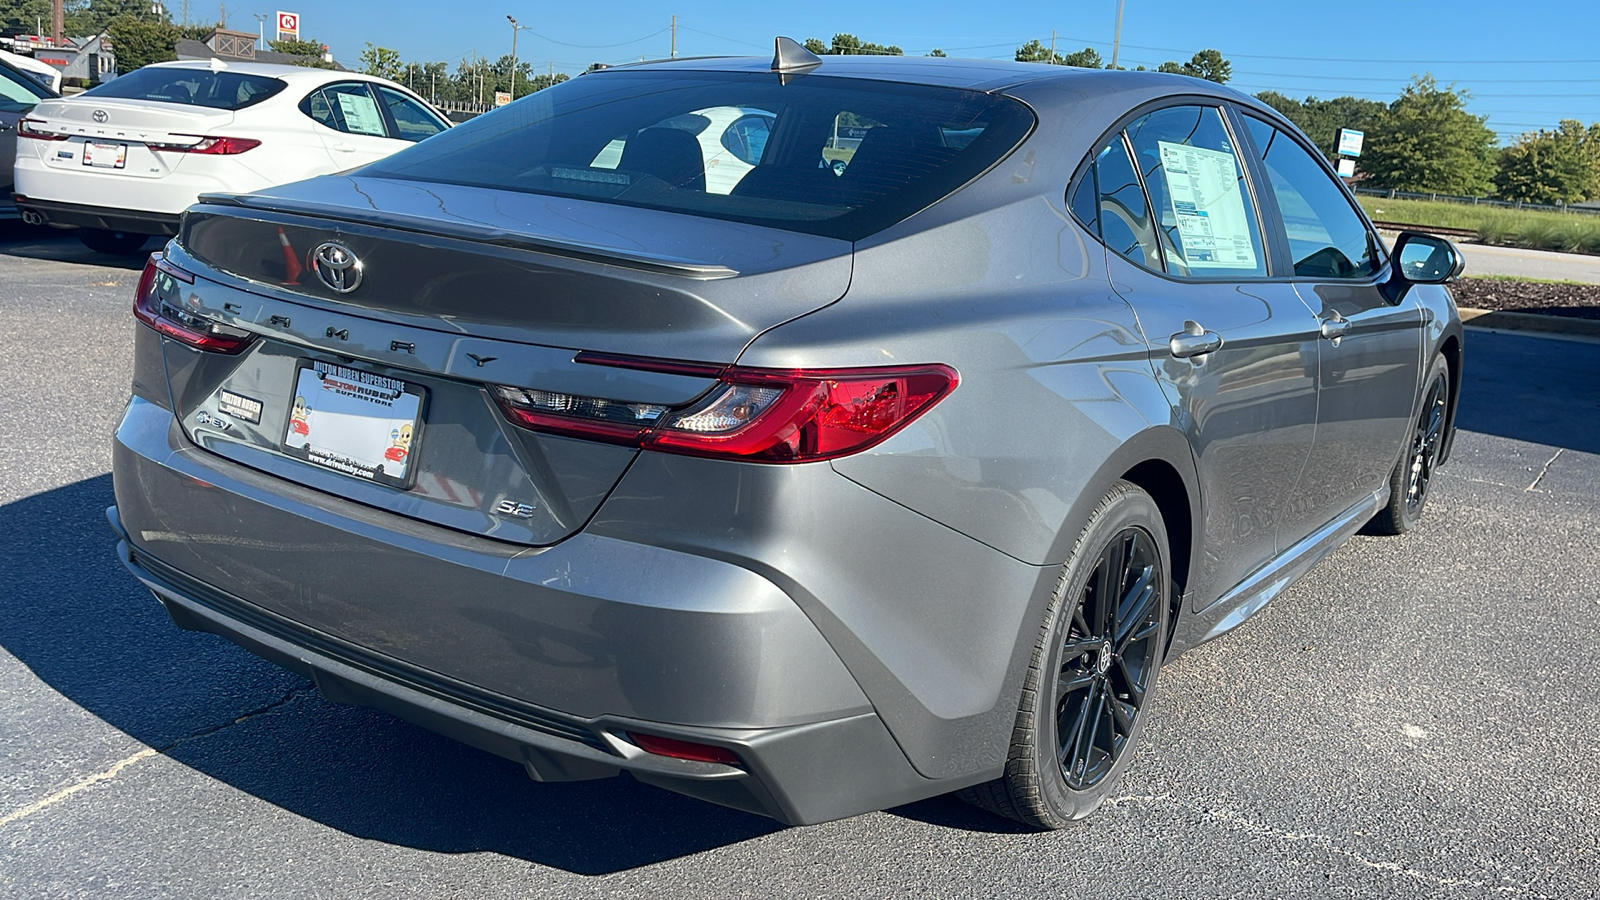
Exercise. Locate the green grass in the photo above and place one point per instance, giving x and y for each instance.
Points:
(1536, 229)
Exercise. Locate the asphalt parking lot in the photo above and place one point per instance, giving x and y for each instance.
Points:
(1417, 718)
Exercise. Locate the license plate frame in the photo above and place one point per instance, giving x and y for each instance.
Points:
(361, 415)
(94, 149)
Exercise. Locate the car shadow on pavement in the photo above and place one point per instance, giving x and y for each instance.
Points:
(61, 245)
(1532, 388)
(85, 628)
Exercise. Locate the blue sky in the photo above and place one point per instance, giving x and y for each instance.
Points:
(1527, 65)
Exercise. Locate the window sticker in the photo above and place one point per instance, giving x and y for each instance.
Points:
(1203, 188)
(361, 114)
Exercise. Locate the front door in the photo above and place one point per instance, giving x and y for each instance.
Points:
(1371, 349)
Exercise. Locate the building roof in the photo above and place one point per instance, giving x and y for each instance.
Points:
(196, 50)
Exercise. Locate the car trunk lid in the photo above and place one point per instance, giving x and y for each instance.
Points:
(474, 290)
(113, 136)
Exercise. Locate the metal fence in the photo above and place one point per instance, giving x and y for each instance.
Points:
(1478, 201)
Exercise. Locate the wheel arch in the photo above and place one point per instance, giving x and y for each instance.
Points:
(1450, 349)
(1160, 461)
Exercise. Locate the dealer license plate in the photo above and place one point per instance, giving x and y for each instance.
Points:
(365, 425)
(105, 155)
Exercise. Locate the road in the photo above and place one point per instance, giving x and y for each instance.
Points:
(1417, 718)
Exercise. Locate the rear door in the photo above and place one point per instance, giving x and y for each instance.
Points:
(352, 125)
(1371, 348)
(1234, 350)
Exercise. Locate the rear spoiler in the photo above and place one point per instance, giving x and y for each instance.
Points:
(633, 259)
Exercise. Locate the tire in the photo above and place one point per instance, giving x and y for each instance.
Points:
(113, 243)
(1069, 747)
(1413, 475)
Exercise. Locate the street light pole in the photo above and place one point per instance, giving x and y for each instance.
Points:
(514, 29)
(1116, 38)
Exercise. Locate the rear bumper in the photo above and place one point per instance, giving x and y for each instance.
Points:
(76, 215)
(547, 665)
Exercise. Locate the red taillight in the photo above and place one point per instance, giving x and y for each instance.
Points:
(759, 415)
(28, 128)
(209, 146)
(662, 746)
(159, 305)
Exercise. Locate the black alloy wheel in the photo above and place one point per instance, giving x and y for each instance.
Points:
(1093, 668)
(1108, 657)
(1413, 474)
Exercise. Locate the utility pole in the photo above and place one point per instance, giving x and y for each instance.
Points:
(674, 37)
(514, 29)
(1052, 46)
(58, 21)
(1116, 38)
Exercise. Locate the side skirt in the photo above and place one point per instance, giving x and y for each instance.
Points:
(1266, 583)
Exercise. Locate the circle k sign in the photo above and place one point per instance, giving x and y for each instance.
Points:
(288, 23)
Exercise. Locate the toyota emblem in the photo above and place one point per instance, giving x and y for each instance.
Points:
(99, 115)
(338, 268)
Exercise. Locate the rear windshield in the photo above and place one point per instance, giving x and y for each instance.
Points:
(831, 156)
(191, 87)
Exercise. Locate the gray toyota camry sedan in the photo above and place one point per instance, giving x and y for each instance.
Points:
(806, 436)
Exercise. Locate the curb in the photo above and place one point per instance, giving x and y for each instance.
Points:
(1526, 321)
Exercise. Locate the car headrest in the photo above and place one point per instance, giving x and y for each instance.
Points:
(669, 154)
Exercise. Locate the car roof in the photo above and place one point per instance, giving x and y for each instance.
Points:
(971, 74)
(291, 74)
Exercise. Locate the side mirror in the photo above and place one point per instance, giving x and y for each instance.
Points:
(1425, 259)
(1420, 258)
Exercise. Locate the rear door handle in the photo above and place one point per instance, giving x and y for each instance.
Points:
(1193, 341)
(344, 148)
(1335, 328)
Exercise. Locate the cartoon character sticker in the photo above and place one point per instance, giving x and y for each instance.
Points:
(400, 443)
(300, 418)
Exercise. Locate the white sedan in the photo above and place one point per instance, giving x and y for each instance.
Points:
(123, 161)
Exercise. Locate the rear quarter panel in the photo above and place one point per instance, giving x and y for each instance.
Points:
(1056, 400)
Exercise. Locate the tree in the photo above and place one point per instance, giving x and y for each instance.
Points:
(1322, 119)
(936, 52)
(141, 42)
(305, 53)
(1033, 51)
(380, 61)
(850, 45)
(1546, 166)
(1207, 64)
(1288, 106)
(1426, 141)
(1086, 58)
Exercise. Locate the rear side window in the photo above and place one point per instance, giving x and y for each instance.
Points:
(1326, 237)
(1125, 223)
(190, 87)
(747, 137)
(1204, 216)
(832, 156)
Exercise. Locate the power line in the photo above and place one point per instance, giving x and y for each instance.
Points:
(721, 38)
(598, 46)
(1391, 79)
